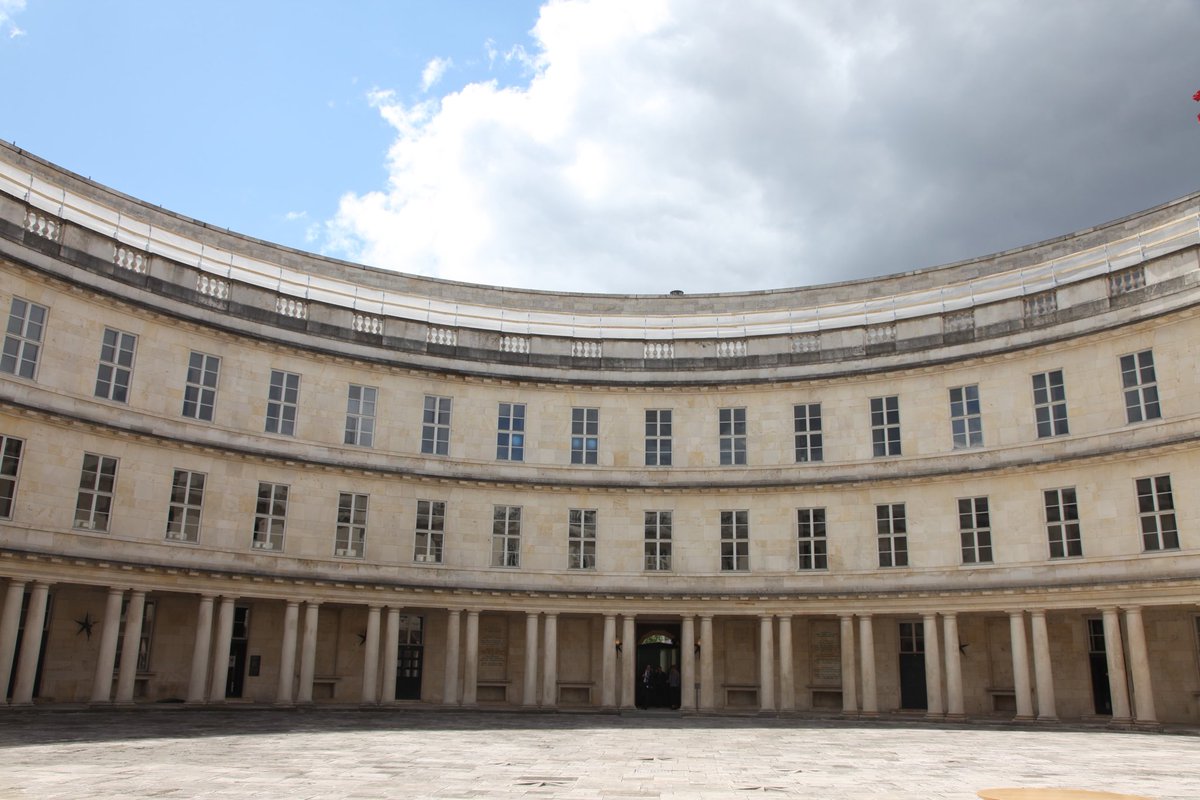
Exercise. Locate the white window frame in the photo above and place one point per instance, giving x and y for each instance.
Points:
(810, 444)
(1156, 513)
(657, 541)
(1050, 404)
(506, 536)
(581, 538)
(585, 435)
(114, 373)
(350, 534)
(1139, 382)
(360, 415)
(812, 543)
(1063, 530)
(200, 386)
(731, 430)
(97, 492)
(23, 338)
(186, 506)
(510, 432)
(735, 541)
(885, 426)
(975, 530)
(891, 528)
(430, 532)
(283, 402)
(966, 418)
(11, 451)
(658, 437)
(435, 425)
(270, 516)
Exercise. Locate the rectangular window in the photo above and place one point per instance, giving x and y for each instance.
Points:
(510, 432)
(282, 401)
(809, 443)
(735, 541)
(731, 423)
(810, 535)
(506, 536)
(1156, 510)
(585, 435)
(885, 426)
(658, 437)
(1062, 523)
(360, 416)
(1050, 404)
(183, 512)
(147, 633)
(435, 426)
(581, 538)
(200, 391)
(658, 540)
(975, 530)
(892, 529)
(966, 422)
(431, 528)
(97, 480)
(350, 539)
(23, 338)
(270, 516)
(1141, 386)
(116, 365)
(10, 465)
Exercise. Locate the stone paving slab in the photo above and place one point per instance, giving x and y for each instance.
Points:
(324, 754)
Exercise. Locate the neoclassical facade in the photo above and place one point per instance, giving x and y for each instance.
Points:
(235, 472)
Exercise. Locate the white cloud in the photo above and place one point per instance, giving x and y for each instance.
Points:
(8, 10)
(664, 144)
(294, 216)
(434, 71)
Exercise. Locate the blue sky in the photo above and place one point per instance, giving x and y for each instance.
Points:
(619, 145)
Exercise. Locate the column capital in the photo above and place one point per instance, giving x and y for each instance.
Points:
(785, 617)
(1132, 609)
(292, 603)
(1037, 613)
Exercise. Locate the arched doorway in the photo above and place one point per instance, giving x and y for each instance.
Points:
(658, 676)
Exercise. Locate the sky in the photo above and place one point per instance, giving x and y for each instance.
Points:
(619, 146)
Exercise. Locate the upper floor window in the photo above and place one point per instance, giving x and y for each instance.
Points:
(975, 530)
(658, 437)
(350, 536)
(10, 466)
(810, 538)
(1141, 386)
(581, 538)
(1062, 523)
(283, 398)
(360, 415)
(200, 391)
(966, 422)
(1050, 404)
(885, 426)
(435, 426)
(892, 530)
(506, 536)
(809, 443)
(23, 338)
(97, 482)
(585, 435)
(116, 365)
(510, 432)
(735, 541)
(731, 423)
(270, 516)
(431, 530)
(1156, 511)
(657, 529)
(187, 500)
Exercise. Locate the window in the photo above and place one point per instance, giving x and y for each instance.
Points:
(885, 426)
(435, 427)
(809, 446)
(510, 432)
(116, 365)
(23, 338)
(966, 423)
(581, 538)
(147, 633)
(810, 535)
(360, 416)
(282, 399)
(431, 528)
(892, 529)
(270, 516)
(1141, 386)
(658, 437)
(735, 541)
(1050, 404)
(10, 464)
(350, 539)
(731, 423)
(975, 530)
(658, 540)
(183, 512)
(1062, 523)
(585, 435)
(96, 482)
(200, 391)
(1156, 510)
(506, 536)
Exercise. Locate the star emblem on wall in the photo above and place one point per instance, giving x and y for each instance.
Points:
(85, 625)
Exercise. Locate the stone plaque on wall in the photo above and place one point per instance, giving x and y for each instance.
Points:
(826, 651)
(493, 648)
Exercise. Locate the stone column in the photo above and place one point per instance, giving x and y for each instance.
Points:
(787, 680)
(550, 662)
(470, 688)
(608, 660)
(134, 612)
(866, 646)
(849, 687)
(708, 692)
(1139, 666)
(200, 650)
(954, 685)
(1042, 669)
(31, 645)
(628, 661)
(287, 653)
(687, 664)
(933, 668)
(107, 657)
(1020, 657)
(529, 695)
(220, 666)
(450, 681)
(308, 652)
(391, 655)
(766, 664)
(1118, 683)
(10, 623)
(370, 680)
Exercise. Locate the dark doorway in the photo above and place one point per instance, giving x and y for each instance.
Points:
(658, 665)
(912, 666)
(1098, 661)
(37, 675)
(409, 658)
(239, 643)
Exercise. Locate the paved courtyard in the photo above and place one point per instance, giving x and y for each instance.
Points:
(259, 753)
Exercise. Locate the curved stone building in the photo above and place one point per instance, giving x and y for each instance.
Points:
(237, 472)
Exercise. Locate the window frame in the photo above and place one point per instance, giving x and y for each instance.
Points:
(658, 432)
(656, 551)
(1139, 386)
(435, 425)
(1158, 523)
(891, 530)
(966, 417)
(270, 515)
(185, 508)
(21, 335)
(506, 537)
(585, 435)
(199, 394)
(97, 496)
(812, 539)
(10, 473)
(350, 531)
(810, 439)
(429, 532)
(885, 426)
(360, 415)
(735, 540)
(1062, 544)
(1047, 406)
(581, 539)
(975, 530)
(731, 434)
(510, 432)
(283, 396)
(114, 372)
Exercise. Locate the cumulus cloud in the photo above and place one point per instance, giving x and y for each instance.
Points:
(434, 71)
(8, 10)
(664, 144)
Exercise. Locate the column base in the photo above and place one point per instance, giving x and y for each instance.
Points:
(1047, 718)
(846, 713)
(1121, 722)
(1024, 718)
(956, 717)
(1149, 725)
